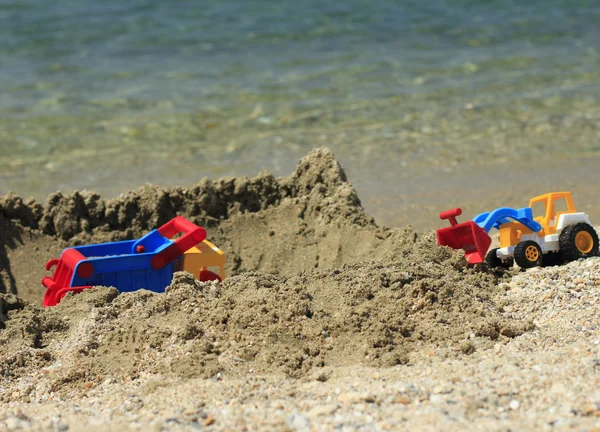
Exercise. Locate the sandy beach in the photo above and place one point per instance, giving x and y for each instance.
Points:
(317, 143)
(328, 321)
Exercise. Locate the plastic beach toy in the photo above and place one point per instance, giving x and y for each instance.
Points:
(148, 262)
(559, 234)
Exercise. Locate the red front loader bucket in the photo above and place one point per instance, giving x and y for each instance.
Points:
(60, 283)
(467, 236)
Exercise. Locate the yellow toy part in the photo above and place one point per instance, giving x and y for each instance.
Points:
(550, 201)
(198, 258)
(511, 233)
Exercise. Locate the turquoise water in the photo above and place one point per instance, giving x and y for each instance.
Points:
(108, 95)
(73, 57)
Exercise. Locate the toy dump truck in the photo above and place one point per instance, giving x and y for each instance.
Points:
(559, 234)
(148, 262)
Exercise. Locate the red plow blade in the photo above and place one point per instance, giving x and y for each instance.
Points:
(467, 236)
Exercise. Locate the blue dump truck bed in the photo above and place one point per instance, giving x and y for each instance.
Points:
(146, 263)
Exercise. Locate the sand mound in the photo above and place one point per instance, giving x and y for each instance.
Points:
(318, 284)
(85, 216)
(371, 314)
(312, 218)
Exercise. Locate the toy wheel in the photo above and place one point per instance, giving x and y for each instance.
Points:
(528, 254)
(492, 260)
(578, 241)
(207, 276)
(552, 259)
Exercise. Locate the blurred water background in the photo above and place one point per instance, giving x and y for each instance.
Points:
(424, 102)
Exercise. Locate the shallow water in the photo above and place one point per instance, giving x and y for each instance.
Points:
(110, 95)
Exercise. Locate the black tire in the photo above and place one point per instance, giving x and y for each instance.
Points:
(492, 260)
(552, 259)
(528, 254)
(577, 241)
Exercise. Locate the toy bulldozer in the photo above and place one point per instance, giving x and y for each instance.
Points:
(552, 238)
(148, 262)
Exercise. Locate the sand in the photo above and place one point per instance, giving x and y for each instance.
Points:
(327, 321)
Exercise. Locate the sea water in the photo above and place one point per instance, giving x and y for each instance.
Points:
(108, 95)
